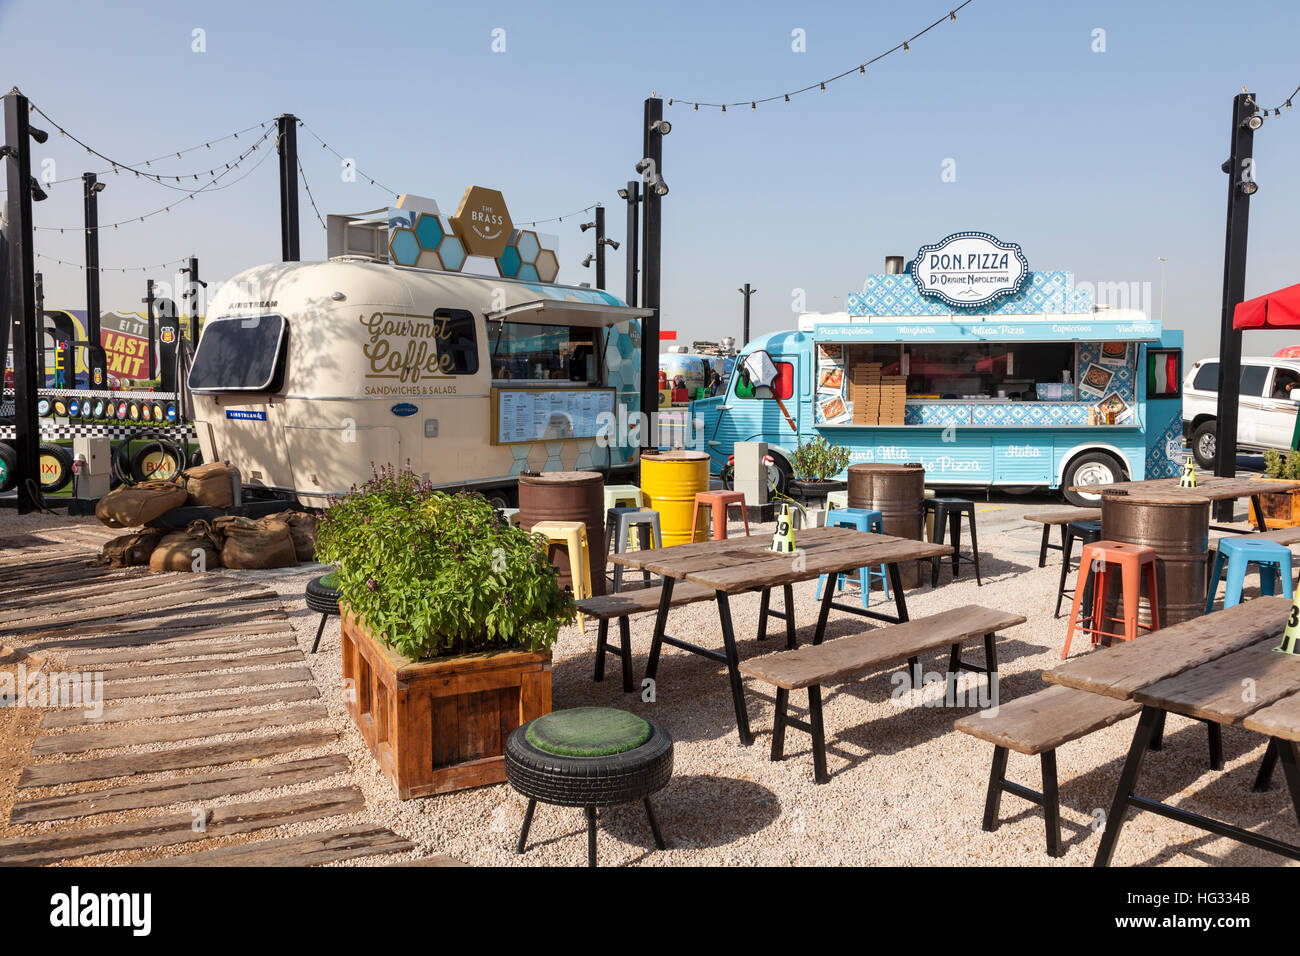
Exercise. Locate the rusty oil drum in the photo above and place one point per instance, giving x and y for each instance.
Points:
(568, 496)
(1177, 526)
(896, 491)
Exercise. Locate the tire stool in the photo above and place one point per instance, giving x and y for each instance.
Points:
(589, 757)
(322, 597)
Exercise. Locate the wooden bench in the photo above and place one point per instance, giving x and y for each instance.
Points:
(1035, 726)
(848, 657)
(623, 605)
(1059, 517)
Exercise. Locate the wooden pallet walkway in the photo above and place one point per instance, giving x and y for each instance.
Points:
(208, 703)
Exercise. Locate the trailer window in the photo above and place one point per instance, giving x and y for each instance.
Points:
(1164, 373)
(240, 355)
(782, 387)
(529, 352)
(457, 342)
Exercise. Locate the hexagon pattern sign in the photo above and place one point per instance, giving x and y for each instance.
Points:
(482, 222)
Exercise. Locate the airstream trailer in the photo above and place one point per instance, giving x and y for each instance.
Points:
(332, 369)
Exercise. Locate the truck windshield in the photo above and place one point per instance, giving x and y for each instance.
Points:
(239, 354)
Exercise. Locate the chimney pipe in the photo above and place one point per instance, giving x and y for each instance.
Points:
(893, 265)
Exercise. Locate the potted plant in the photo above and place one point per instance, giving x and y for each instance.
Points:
(1281, 508)
(449, 613)
(815, 464)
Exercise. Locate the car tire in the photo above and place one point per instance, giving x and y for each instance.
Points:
(8, 464)
(63, 458)
(1090, 468)
(161, 447)
(1204, 438)
(784, 474)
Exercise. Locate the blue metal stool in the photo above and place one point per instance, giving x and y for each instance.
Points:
(863, 519)
(1239, 554)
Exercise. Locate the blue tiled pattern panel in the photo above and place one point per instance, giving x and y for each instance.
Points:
(1052, 292)
(1160, 464)
(936, 414)
(1030, 413)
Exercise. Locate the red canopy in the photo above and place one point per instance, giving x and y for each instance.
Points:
(1277, 310)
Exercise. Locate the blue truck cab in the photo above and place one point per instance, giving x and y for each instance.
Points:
(1040, 390)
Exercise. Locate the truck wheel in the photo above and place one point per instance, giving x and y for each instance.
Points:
(8, 461)
(1090, 468)
(56, 468)
(1203, 443)
(498, 498)
(779, 475)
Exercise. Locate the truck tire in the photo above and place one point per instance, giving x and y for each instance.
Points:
(1090, 468)
(168, 457)
(784, 474)
(58, 479)
(499, 498)
(1204, 443)
(8, 461)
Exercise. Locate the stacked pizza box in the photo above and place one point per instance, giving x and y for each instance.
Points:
(893, 399)
(864, 392)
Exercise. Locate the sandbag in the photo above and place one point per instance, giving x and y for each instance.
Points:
(132, 506)
(302, 528)
(181, 550)
(253, 545)
(211, 485)
(128, 550)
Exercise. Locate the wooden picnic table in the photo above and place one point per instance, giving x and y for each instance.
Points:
(738, 565)
(1212, 487)
(1198, 669)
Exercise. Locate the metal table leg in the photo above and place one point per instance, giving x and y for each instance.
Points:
(1146, 728)
(733, 670)
(661, 623)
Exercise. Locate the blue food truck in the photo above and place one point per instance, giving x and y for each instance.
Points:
(966, 361)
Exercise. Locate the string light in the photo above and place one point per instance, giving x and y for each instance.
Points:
(117, 166)
(1277, 110)
(307, 186)
(190, 193)
(905, 46)
(567, 215)
(82, 266)
(342, 158)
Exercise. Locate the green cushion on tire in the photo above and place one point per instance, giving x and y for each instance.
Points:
(588, 732)
(330, 581)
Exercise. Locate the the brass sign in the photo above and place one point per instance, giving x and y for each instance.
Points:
(482, 222)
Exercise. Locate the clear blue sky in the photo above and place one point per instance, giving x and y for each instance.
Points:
(1098, 163)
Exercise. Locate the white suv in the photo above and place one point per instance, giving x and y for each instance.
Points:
(1266, 417)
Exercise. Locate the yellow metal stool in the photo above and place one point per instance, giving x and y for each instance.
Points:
(573, 535)
(623, 496)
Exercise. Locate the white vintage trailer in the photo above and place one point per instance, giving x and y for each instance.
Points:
(310, 375)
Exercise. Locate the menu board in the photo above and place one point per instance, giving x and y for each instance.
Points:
(546, 414)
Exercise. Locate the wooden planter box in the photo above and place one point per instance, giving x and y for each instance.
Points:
(440, 725)
(1281, 508)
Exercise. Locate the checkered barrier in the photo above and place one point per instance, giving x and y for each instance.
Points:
(64, 431)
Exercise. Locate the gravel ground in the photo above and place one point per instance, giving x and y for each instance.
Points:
(905, 787)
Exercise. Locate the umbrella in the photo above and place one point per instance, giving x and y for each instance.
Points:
(1276, 310)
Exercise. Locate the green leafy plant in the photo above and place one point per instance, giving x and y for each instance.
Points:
(1273, 464)
(1291, 467)
(432, 574)
(818, 460)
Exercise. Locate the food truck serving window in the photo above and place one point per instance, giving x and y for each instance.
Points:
(457, 345)
(240, 354)
(529, 352)
(983, 369)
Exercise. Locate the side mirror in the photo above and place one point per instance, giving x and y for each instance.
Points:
(1294, 394)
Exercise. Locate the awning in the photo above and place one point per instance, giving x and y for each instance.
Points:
(561, 312)
(1277, 310)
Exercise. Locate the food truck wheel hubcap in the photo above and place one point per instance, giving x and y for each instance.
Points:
(1093, 468)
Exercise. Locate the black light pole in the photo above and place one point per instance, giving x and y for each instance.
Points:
(22, 189)
(1241, 186)
(91, 188)
(150, 359)
(632, 195)
(651, 169)
(746, 292)
(192, 293)
(287, 145)
(600, 247)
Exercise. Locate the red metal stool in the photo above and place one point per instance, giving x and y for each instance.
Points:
(1110, 561)
(718, 502)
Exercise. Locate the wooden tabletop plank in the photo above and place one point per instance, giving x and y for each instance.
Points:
(1285, 536)
(1279, 719)
(656, 559)
(1207, 486)
(1123, 670)
(1228, 689)
(786, 569)
(1064, 515)
(847, 657)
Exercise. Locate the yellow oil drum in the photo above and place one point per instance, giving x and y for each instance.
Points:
(669, 481)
